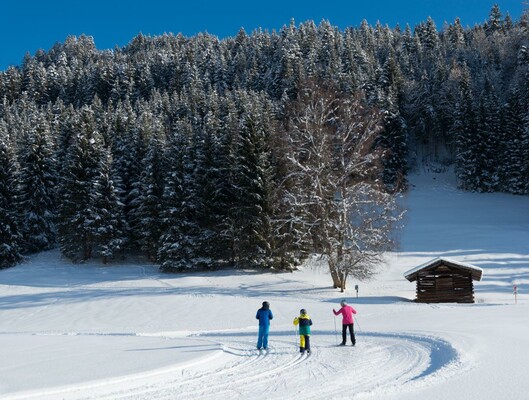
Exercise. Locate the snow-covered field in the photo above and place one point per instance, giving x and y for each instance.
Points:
(128, 332)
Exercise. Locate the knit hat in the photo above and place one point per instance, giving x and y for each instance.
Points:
(302, 311)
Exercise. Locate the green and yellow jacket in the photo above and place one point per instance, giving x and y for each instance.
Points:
(304, 323)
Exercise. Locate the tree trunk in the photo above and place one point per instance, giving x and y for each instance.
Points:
(87, 247)
(343, 280)
(335, 275)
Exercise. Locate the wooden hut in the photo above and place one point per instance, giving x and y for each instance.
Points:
(445, 281)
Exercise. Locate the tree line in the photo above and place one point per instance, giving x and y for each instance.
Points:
(197, 151)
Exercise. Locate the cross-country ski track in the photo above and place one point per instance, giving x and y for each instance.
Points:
(230, 367)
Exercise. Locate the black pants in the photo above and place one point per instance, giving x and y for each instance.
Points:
(351, 331)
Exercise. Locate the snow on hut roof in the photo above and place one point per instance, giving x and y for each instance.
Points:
(477, 272)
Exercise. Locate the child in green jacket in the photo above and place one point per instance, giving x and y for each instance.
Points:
(304, 323)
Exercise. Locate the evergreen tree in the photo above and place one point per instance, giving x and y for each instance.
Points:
(132, 151)
(226, 189)
(107, 226)
(289, 243)
(209, 183)
(513, 165)
(488, 134)
(76, 216)
(253, 186)
(147, 205)
(10, 238)
(420, 114)
(37, 180)
(393, 140)
(455, 36)
(464, 132)
(176, 249)
(495, 22)
(128, 149)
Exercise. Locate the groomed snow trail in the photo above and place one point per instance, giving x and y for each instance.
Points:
(378, 364)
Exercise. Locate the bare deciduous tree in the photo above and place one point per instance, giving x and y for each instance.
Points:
(333, 181)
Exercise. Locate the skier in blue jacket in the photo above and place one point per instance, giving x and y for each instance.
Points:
(264, 315)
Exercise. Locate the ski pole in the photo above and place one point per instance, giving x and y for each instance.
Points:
(358, 323)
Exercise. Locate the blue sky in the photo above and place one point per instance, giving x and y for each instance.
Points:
(27, 26)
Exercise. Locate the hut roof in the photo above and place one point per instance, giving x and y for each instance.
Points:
(477, 272)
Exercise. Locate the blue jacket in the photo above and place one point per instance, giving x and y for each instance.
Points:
(264, 316)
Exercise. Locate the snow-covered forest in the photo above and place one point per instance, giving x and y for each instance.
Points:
(183, 148)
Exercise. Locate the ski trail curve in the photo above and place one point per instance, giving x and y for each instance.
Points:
(380, 364)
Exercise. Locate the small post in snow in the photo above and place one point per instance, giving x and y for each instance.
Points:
(356, 288)
(515, 291)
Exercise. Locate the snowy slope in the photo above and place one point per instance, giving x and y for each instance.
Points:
(128, 332)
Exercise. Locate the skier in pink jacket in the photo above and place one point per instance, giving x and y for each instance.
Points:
(347, 321)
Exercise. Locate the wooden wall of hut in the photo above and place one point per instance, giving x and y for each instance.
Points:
(445, 285)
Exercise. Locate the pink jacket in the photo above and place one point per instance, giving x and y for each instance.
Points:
(347, 314)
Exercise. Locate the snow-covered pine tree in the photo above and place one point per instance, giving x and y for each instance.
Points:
(237, 62)
(66, 128)
(521, 85)
(350, 70)
(107, 226)
(186, 245)
(455, 37)
(129, 134)
(523, 57)
(327, 48)
(420, 114)
(463, 133)
(287, 71)
(129, 169)
(495, 22)
(226, 190)
(10, 238)
(429, 38)
(289, 243)
(211, 176)
(393, 137)
(10, 84)
(525, 154)
(37, 181)
(393, 140)
(176, 250)
(103, 120)
(147, 203)
(252, 179)
(34, 81)
(487, 138)
(513, 169)
(201, 201)
(82, 167)
(104, 81)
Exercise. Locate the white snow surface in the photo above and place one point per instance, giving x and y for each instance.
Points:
(129, 332)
